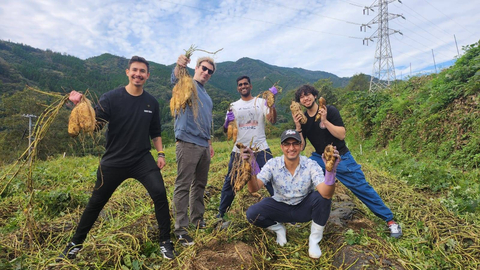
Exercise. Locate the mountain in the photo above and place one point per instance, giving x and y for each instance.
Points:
(22, 65)
(262, 75)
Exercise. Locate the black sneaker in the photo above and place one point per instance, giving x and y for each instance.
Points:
(168, 252)
(201, 224)
(70, 252)
(185, 240)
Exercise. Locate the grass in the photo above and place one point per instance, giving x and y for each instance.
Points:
(124, 236)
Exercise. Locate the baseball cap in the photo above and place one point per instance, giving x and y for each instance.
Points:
(290, 133)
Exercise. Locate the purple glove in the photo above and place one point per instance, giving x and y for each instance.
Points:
(230, 117)
(330, 176)
(273, 90)
(255, 167)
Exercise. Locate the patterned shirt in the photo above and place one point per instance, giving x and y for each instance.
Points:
(287, 188)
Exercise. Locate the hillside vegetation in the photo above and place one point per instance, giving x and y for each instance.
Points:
(418, 144)
(22, 65)
(427, 129)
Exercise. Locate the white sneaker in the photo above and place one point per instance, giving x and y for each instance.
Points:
(395, 230)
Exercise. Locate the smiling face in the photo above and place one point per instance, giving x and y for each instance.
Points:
(291, 149)
(244, 88)
(137, 74)
(307, 100)
(202, 72)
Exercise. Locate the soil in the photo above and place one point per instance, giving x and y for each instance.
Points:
(344, 216)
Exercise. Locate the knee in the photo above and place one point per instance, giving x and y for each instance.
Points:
(159, 195)
(97, 202)
(252, 215)
(319, 201)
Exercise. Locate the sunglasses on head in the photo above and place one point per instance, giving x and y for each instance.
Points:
(204, 68)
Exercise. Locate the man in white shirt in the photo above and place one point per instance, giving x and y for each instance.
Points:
(250, 114)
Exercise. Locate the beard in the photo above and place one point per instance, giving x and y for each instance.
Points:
(246, 94)
(311, 106)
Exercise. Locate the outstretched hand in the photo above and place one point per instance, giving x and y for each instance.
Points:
(336, 154)
(273, 89)
(183, 61)
(229, 118)
(75, 97)
(330, 175)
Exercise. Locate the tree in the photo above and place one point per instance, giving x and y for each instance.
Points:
(359, 82)
(326, 90)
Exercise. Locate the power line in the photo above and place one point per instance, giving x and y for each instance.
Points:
(428, 32)
(312, 13)
(407, 36)
(257, 20)
(434, 25)
(353, 4)
(411, 56)
(423, 45)
(449, 18)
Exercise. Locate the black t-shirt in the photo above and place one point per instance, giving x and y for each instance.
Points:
(132, 121)
(319, 137)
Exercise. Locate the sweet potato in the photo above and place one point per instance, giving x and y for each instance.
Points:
(297, 109)
(329, 157)
(82, 118)
(241, 170)
(269, 97)
(321, 102)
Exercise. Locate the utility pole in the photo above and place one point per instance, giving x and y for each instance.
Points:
(458, 53)
(30, 116)
(383, 69)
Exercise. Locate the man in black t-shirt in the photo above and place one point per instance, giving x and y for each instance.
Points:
(331, 130)
(133, 117)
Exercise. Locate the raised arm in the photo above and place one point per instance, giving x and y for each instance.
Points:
(337, 131)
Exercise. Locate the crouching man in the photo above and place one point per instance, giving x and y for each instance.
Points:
(295, 180)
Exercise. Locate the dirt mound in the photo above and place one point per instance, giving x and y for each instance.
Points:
(215, 255)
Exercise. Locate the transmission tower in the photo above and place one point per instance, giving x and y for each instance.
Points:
(383, 69)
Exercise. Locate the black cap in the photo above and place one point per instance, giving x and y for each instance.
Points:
(290, 133)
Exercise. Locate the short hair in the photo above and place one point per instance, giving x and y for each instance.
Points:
(138, 59)
(305, 89)
(207, 59)
(243, 77)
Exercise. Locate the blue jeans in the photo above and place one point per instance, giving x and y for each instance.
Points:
(350, 173)
(228, 194)
(268, 211)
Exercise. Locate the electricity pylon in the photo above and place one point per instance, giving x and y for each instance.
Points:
(383, 69)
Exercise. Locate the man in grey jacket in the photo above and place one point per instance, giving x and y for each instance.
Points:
(194, 151)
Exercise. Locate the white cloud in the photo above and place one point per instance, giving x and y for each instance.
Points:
(315, 35)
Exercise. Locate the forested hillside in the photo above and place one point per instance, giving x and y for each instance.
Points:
(22, 65)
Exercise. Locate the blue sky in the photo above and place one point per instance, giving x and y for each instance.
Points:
(314, 35)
